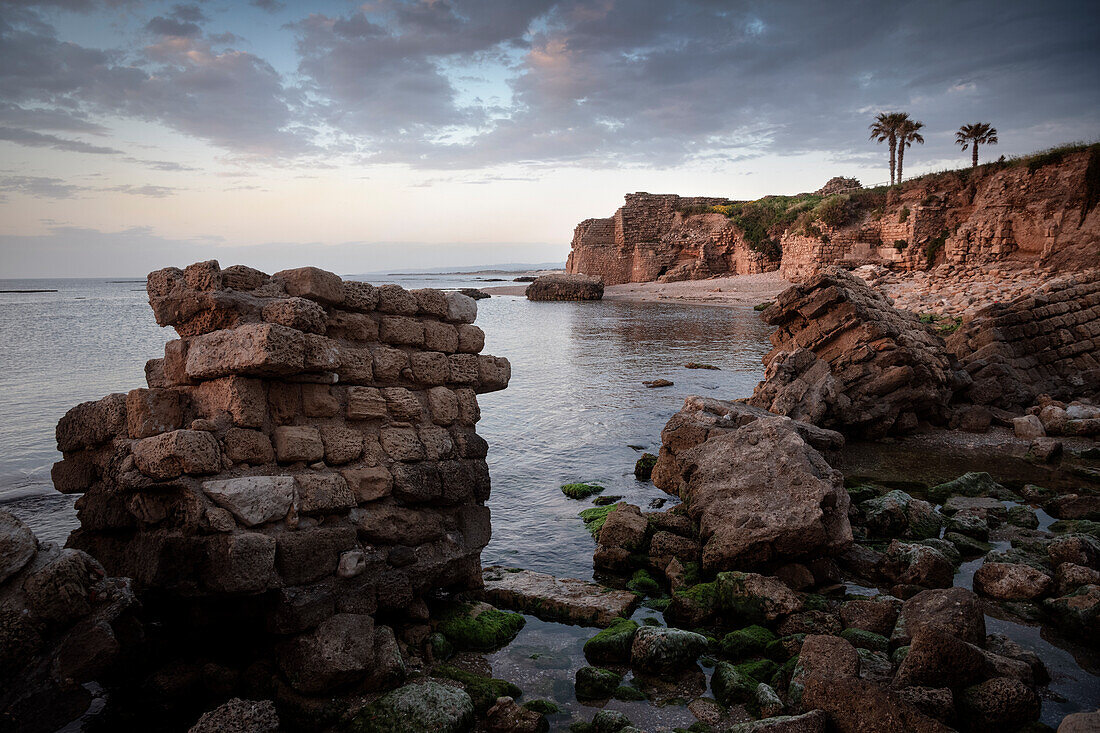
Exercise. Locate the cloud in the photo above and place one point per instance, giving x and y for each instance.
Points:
(34, 139)
(39, 187)
(271, 6)
(148, 190)
(172, 27)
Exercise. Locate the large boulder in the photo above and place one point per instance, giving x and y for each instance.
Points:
(659, 649)
(760, 492)
(565, 287)
(426, 705)
(846, 358)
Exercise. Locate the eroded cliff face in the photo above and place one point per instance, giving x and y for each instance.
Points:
(1040, 211)
(663, 237)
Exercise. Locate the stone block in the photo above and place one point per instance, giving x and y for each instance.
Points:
(242, 445)
(154, 374)
(152, 412)
(171, 454)
(389, 363)
(321, 354)
(395, 299)
(402, 404)
(337, 653)
(313, 283)
(242, 562)
(300, 608)
(298, 443)
(253, 500)
(305, 556)
(464, 368)
(416, 482)
(437, 442)
(469, 444)
(319, 401)
(493, 373)
(359, 296)
(365, 403)
(320, 493)
(244, 398)
(401, 331)
(242, 277)
(430, 367)
(342, 445)
(299, 313)
(431, 302)
(351, 326)
(460, 308)
(75, 473)
(260, 349)
(92, 423)
(443, 405)
(389, 524)
(471, 339)
(440, 337)
(205, 276)
(468, 411)
(402, 444)
(368, 483)
(356, 365)
(1028, 427)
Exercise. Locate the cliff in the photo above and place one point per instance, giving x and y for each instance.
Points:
(1038, 211)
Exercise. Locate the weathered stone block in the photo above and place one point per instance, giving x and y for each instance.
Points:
(468, 411)
(339, 652)
(471, 339)
(359, 296)
(431, 302)
(92, 423)
(313, 283)
(395, 299)
(248, 446)
(365, 403)
(242, 277)
(352, 326)
(298, 443)
(342, 445)
(440, 337)
(368, 483)
(416, 482)
(402, 444)
(243, 562)
(464, 368)
(261, 349)
(75, 473)
(402, 404)
(284, 401)
(321, 354)
(243, 398)
(392, 525)
(168, 455)
(356, 365)
(323, 492)
(401, 330)
(319, 401)
(152, 411)
(303, 557)
(389, 363)
(437, 442)
(430, 367)
(298, 313)
(493, 373)
(253, 499)
(443, 405)
(460, 308)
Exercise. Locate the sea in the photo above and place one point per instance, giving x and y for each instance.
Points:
(576, 410)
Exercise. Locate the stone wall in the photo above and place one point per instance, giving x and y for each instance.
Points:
(662, 237)
(1044, 343)
(307, 447)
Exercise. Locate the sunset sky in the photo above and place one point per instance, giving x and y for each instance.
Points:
(424, 133)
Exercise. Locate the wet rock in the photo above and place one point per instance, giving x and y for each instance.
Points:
(426, 705)
(565, 287)
(1011, 582)
(594, 683)
(1070, 577)
(861, 639)
(938, 659)
(1080, 723)
(732, 686)
(17, 545)
(643, 468)
(766, 701)
(1074, 506)
(567, 600)
(1044, 450)
(956, 611)
(912, 564)
(1079, 549)
(747, 642)
(937, 702)
(897, 514)
(508, 717)
(658, 649)
(877, 616)
(613, 644)
(856, 705)
(815, 721)
(829, 657)
(239, 716)
(1022, 516)
(654, 383)
(624, 531)
(737, 597)
(479, 627)
(998, 704)
(482, 689)
(1028, 427)
(760, 493)
(810, 622)
(970, 524)
(973, 484)
(338, 652)
(1078, 611)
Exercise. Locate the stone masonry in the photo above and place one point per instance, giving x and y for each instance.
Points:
(306, 450)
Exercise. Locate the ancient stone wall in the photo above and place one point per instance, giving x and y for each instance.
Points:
(662, 237)
(306, 441)
(1044, 343)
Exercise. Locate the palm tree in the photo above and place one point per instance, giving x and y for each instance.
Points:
(980, 133)
(885, 129)
(908, 133)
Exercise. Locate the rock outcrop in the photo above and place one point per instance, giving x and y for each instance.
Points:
(759, 490)
(565, 287)
(844, 358)
(1045, 342)
(303, 459)
(63, 623)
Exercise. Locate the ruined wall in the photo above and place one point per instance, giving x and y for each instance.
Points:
(307, 441)
(657, 237)
(1044, 343)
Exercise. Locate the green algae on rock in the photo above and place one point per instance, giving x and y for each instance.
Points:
(643, 467)
(596, 683)
(426, 705)
(731, 686)
(612, 645)
(747, 642)
(581, 490)
(607, 500)
(643, 583)
(479, 627)
(484, 691)
(595, 517)
(971, 484)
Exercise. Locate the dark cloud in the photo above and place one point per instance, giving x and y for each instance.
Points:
(172, 28)
(48, 119)
(271, 6)
(39, 187)
(33, 139)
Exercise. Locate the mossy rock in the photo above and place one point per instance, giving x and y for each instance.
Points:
(657, 604)
(898, 655)
(862, 493)
(490, 629)
(861, 639)
(442, 649)
(643, 468)
(971, 484)
(581, 490)
(643, 583)
(944, 547)
(1023, 516)
(731, 686)
(651, 621)
(542, 707)
(595, 517)
(815, 602)
(426, 705)
(1076, 526)
(596, 683)
(628, 693)
(610, 721)
(484, 691)
(747, 642)
(968, 546)
(782, 676)
(759, 669)
(762, 306)
(612, 645)
(606, 500)
(780, 650)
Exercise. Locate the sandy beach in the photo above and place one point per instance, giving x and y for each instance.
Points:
(738, 290)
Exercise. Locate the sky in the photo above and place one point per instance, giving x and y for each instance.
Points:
(401, 134)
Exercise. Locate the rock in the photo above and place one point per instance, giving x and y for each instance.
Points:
(897, 514)
(613, 644)
(956, 611)
(846, 359)
(876, 616)
(660, 649)
(973, 484)
(253, 499)
(747, 642)
(810, 622)
(1080, 723)
(854, 705)
(567, 600)
(481, 688)
(426, 705)
(1079, 549)
(760, 493)
(565, 287)
(508, 717)
(861, 639)
(1028, 427)
(624, 531)
(169, 455)
(611, 721)
(1044, 450)
(1074, 506)
(657, 383)
(936, 702)
(1078, 611)
(912, 564)
(17, 545)
(974, 419)
(1070, 577)
(732, 686)
(239, 716)
(594, 683)
(643, 468)
(474, 293)
(336, 653)
(1011, 582)
(479, 627)
(829, 657)
(814, 721)
(938, 659)
(998, 704)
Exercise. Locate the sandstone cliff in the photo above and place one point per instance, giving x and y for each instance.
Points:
(1039, 210)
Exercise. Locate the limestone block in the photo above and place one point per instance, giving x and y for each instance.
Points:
(359, 296)
(300, 313)
(243, 398)
(323, 492)
(437, 442)
(342, 445)
(338, 652)
(416, 482)
(168, 455)
(242, 562)
(1028, 427)
(75, 473)
(468, 411)
(92, 423)
(356, 365)
(443, 405)
(284, 400)
(242, 277)
(253, 499)
(302, 557)
(242, 445)
(395, 299)
(431, 302)
(392, 525)
(464, 368)
(388, 363)
(175, 362)
(319, 401)
(430, 367)
(351, 326)
(460, 308)
(402, 444)
(365, 403)
(298, 443)
(402, 404)
(493, 373)
(368, 483)
(441, 337)
(321, 354)
(152, 411)
(471, 339)
(401, 330)
(313, 283)
(261, 349)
